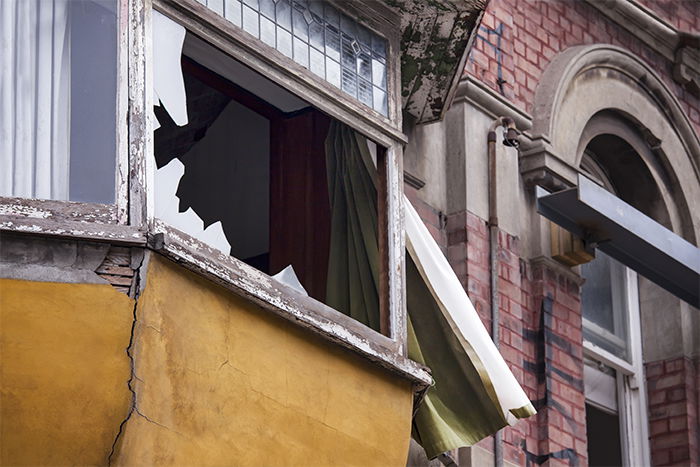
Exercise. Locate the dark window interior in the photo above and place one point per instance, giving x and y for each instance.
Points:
(603, 431)
(258, 170)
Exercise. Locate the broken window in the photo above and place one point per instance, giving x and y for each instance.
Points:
(256, 172)
(58, 98)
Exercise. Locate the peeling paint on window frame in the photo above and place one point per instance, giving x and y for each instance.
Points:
(389, 351)
(130, 220)
(17, 213)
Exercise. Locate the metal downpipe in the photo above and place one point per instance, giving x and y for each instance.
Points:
(511, 139)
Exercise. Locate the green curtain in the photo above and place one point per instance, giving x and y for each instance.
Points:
(461, 407)
(353, 265)
(457, 411)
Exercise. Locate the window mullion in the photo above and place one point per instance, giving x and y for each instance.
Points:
(140, 138)
(396, 246)
(122, 108)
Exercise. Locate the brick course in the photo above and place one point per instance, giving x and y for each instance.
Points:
(550, 370)
(533, 31)
(543, 347)
(673, 411)
(540, 310)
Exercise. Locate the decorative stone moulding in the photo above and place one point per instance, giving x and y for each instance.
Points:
(540, 165)
(583, 81)
(686, 69)
(680, 47)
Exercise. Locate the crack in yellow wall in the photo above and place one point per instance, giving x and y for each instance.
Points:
(217, 381)
(223, 382)
(63, 371)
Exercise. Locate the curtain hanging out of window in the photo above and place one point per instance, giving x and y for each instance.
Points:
(475, 394)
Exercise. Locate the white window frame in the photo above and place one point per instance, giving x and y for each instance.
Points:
(130, 220)
(631, 387)
(88, 220)
(389, 351)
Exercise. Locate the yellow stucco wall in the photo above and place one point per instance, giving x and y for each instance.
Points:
(222, 382)
(63, 371)
(218, 381)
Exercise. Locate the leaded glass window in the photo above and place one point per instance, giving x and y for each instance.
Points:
(320, 38)
(604, 305)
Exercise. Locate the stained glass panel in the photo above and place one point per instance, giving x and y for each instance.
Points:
(333, 46)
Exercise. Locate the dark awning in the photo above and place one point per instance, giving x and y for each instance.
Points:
(605, 221)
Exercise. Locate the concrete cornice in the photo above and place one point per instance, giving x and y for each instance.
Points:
(681, 48)
(490, 102)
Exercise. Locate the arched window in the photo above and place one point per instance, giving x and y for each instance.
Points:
(615, 400)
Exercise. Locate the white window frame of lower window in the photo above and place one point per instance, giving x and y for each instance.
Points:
(631, 383)
(389, 351)
(92, 221)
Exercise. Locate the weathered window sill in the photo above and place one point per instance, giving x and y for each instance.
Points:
(88, 221)
(286, 302)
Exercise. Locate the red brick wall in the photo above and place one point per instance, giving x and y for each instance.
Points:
(531, 33)
(540, 339)
(682, 14)
(535, 30)
(673, 411)
(540, 324)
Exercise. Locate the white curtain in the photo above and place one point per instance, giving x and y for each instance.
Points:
(34, 98)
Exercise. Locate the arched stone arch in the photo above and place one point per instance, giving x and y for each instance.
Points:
(583, 81)
(599, 90)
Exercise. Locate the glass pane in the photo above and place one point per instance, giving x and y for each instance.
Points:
(347, 53)
(364, 66)
(364, 36)
(332, 16)
(333, 43)
(379, 73)
(316, 34)
(301, 52)
(299, 24)
(232, 11)
(364, 92)
(378, 45)
(380, 104)
(64, 73)
(267, 31)
(217, 6)
(317, 63)
(284, 41)
(284, 14)
(316, 8)
(348, 26)
(603, 304)
(250, 21)
(267, 8)
(333, 72)
(349, 82)
(597, 293)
